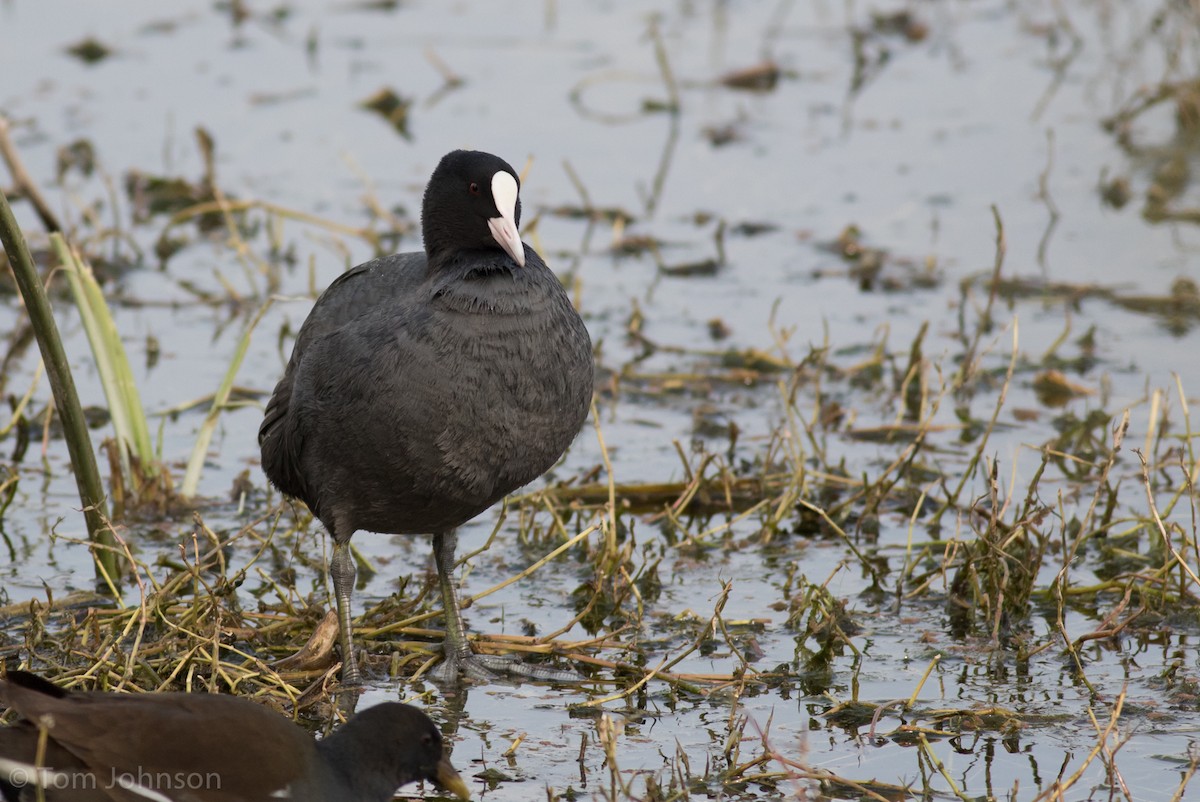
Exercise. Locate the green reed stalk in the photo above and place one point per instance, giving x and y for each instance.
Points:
(66, 399)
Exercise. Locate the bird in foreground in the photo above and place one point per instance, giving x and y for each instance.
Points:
(198, 747)
(424, 387)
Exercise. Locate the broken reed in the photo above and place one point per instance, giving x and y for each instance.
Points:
(138, 472)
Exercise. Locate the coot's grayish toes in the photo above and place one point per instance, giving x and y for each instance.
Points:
(424, 387)
(197, 747)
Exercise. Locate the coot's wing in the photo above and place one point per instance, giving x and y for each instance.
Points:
(354, 293)
(369, 401)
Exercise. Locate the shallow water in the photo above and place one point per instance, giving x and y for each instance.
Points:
(1000, 104)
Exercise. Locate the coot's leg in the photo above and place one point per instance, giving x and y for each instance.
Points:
(341, 571)
(459, 660)
(457, 654)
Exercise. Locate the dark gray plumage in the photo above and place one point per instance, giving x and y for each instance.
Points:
(424, 387)
(196, 747)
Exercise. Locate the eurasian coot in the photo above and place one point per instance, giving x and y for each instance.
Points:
(426, 386)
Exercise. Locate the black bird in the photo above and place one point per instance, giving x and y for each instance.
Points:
(424, 387)
(199, 747)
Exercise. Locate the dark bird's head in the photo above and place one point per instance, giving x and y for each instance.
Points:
(398, 744)
(472, 203)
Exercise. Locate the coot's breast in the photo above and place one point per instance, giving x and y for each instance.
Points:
(425, 412)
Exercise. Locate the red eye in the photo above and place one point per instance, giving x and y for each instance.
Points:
(473, 189)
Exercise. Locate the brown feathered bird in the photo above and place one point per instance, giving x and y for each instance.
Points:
(199, 747)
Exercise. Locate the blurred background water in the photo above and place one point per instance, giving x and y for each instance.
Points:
(909, 123)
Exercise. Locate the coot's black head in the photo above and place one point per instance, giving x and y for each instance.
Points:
(472, 203)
